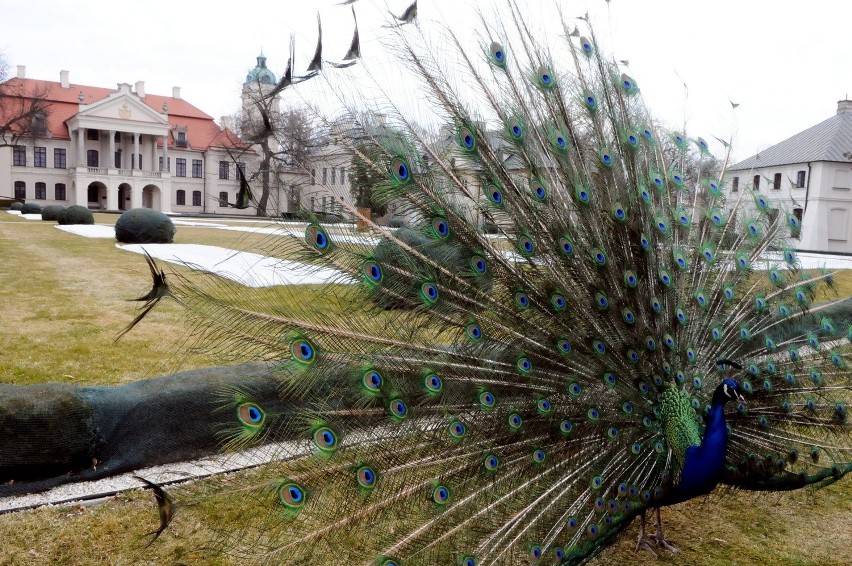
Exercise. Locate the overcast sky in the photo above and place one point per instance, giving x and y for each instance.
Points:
(786, 63)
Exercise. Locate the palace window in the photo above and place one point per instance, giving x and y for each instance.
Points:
(40, 157)
(224, 170)
(735, 185)
(196, 168)
(59, 191)
(180, 167)
(92, 157)
(59, 161)
(181, 139)
(223, 197)
(313, 176)
(756, 182)
(776, 182)
(196, 198)
(180, 197)
(19, 156)
(40, 191)
(20, 190)
(800, 179)
(38, 124)
(92, 135)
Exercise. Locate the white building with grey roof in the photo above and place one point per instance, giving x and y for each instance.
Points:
(810, 174)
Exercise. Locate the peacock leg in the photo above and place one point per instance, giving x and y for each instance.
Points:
(642, 542)
(661, 539)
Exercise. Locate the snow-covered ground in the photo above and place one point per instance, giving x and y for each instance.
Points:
(252, 270)
(89, 230)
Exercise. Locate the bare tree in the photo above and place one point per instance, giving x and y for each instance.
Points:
(285, 141)
(23, 113)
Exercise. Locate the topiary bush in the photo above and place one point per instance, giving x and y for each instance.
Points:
(76, 214)
(30, 208)
(394, 260)
(52, 212)
(16, 206)
(144, 226)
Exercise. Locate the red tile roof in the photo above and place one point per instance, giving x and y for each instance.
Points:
(63, 104)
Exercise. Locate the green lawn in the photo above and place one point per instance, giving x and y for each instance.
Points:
(63, 301)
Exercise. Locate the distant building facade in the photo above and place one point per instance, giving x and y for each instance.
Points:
(116, 149)
(809, 174)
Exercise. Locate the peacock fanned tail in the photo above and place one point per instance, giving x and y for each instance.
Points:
(517, 375)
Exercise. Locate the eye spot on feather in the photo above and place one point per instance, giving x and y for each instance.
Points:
(491, 463)
(433, 383)
(457, 429)
(366, 477)
(372, 381)
(303, 351)
(291, 495)
(251, 415)
(325, 439)
(441, 495)
(398, 409)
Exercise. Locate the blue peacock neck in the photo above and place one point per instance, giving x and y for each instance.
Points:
(704, 464)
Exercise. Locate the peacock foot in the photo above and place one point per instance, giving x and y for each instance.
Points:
(642, 542)
(664, 544)
(660, 538)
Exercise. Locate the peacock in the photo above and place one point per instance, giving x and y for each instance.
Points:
(576, 325)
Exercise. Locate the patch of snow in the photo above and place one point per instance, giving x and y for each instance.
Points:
(32, 216)
(14, 212)
(89, 230)
(194, 223)
(249, 269)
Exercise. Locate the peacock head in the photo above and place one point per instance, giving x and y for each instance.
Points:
(728, 390)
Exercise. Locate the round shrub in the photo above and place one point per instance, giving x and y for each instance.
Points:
(30, 208)
(17, 206)
(52, 212)
(392, 257)
(144, 226)
(76, 214)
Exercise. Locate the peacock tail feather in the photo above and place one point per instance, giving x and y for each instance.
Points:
(522, 371)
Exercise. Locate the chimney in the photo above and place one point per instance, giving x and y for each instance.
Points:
(140, 89)
(844, 106)
(63, 79)
(176, 92)
(22, 71)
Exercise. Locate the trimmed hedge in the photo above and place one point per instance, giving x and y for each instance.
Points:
(144, 226)
(76, 214)
(16, 206)
(30, 208)
(52, 212)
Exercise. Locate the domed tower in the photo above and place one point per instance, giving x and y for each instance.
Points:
(260, 81)
(260, 75)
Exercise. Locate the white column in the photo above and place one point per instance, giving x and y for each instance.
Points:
(166, 149)
(81, 152)
(111, 157)
(136, 153)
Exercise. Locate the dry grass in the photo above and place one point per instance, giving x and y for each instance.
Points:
(62, 304)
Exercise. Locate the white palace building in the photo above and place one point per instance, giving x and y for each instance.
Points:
(116, 149)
